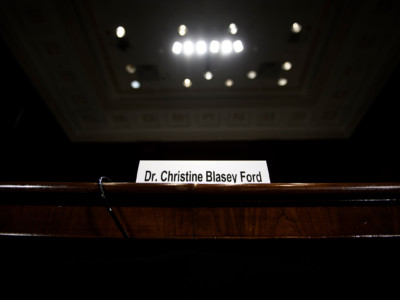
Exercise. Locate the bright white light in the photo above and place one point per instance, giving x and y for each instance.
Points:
(287, 65)
(182, 30)
(201, 47)
(251, 74)
(229, 82)
(135, 84)
(226, 47)
(177, 47)
(233, 28)
(187, 83)
(214, 46)
(296, 27)
(130, 68)
(282, 81)
(238, 46)
(188, 48)
(208, 75)
(120, 31)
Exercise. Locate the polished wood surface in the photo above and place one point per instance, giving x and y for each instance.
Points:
(202, 211)
(127, 194)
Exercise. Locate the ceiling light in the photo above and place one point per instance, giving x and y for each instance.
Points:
(208, 75)
(233, 28)
(177, 47)
(182, 30)
(120, 31)
(229, 82)
(238, 46)
(135, 84)
(201, 47)
(296, 27)
(287, 65)
(282, 81)
(187, 83)
(252, 74)
(214, 46)
(226, 47)
(130, 68)
(188, 48)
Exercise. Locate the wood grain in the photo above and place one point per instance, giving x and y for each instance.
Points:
(197, 212)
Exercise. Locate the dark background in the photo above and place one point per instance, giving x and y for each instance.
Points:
(35, 148)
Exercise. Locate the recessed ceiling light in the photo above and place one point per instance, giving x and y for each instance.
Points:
(296, 27)
(187, 83)
(120, 31)
(135, 84)
(229, 82)
(208, 75)
(130, 68)
(237, 46)
(282, 81)
(182, 30)
(201, 47)
(177, 48)
(233, 29)
(252, 74)
(188, 48)
(214, 46)
(287, 65)
(226, 47)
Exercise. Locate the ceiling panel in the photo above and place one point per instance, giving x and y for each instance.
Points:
(339, 59)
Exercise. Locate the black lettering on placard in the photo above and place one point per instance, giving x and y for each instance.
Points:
(149, 176)
(188, 176)
(242, 175)
(234, 176)
(200, 178)
(208, 176)
(258, 177)
(250, 177)
(212, 176)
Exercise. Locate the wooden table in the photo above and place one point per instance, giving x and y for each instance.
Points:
(190, 211)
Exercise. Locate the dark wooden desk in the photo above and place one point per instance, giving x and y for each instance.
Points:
(150, 211)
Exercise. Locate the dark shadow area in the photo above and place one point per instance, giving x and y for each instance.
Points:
(197, 268)
(34, 147)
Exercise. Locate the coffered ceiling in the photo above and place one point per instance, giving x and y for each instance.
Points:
(340, 54)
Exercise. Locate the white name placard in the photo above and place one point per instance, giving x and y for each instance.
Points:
(206, 172)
